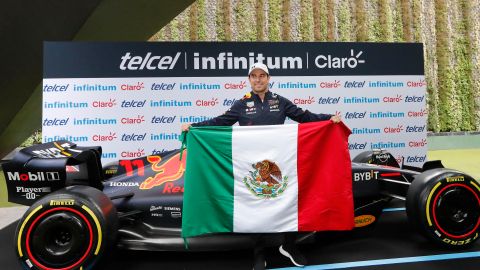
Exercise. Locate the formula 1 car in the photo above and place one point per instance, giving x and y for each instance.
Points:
(78, 210)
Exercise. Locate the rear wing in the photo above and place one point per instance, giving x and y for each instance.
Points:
(40, 169)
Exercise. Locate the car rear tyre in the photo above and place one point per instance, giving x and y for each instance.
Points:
(68, 229)
(444, 205)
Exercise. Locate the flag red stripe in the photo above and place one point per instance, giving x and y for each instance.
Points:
(325, 200)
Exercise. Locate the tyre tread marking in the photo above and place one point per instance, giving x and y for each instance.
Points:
(429, 220)
(19, 240)
(475, 184)
(90, 212)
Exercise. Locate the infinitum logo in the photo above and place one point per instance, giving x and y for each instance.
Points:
(355, 100)
(387, 145)
(199, 86)
(65, 138)
(94, 121)
(366, 131)
(387, 114)
(296, 85)
(170, 103)
(65, 105)
(93, 88)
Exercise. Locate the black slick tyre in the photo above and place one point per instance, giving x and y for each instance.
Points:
(444, 205)
(68, 229)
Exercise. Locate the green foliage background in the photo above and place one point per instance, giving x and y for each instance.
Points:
(449, 30)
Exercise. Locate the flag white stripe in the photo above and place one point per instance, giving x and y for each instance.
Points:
(275, 143)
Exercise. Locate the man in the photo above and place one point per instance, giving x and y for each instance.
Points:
(262, 107)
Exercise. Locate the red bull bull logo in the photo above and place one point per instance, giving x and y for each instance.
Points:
(171, 170)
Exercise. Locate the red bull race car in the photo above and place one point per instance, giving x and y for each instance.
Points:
(79, 209)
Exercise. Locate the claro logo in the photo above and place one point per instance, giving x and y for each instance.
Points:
(330, 61)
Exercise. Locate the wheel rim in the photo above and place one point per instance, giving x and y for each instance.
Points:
(62, 239)
(456, 211)
(59, 239)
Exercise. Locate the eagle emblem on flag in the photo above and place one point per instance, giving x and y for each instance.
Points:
(266, 180)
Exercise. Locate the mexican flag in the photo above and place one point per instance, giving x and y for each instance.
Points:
(262, 179)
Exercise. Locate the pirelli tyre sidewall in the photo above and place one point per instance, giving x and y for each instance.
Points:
(445, 206)
(68, 229)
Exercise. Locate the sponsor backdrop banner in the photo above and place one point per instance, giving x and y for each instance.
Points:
(132, 97)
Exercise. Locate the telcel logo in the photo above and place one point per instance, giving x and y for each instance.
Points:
(163, 119)
(33, 176)
(55, 122)
(414, 98)
(328, 100)
(133, 103)
(229, 102)
(416, 158)
(355, 115)
(329, 61)
(133, 137)
(162, 86)
(354, 84)
(241, 85)
(55, 88)
(415, 128)
(357, 146)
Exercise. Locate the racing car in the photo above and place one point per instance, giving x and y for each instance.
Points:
(79, 209)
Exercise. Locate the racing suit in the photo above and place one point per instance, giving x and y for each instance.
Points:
(250, 111)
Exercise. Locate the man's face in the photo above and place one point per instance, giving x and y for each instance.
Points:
(259, 80)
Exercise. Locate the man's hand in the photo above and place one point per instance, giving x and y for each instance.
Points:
(336, 118)
(186, 127)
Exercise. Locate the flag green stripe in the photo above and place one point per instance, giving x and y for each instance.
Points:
(209, 157)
